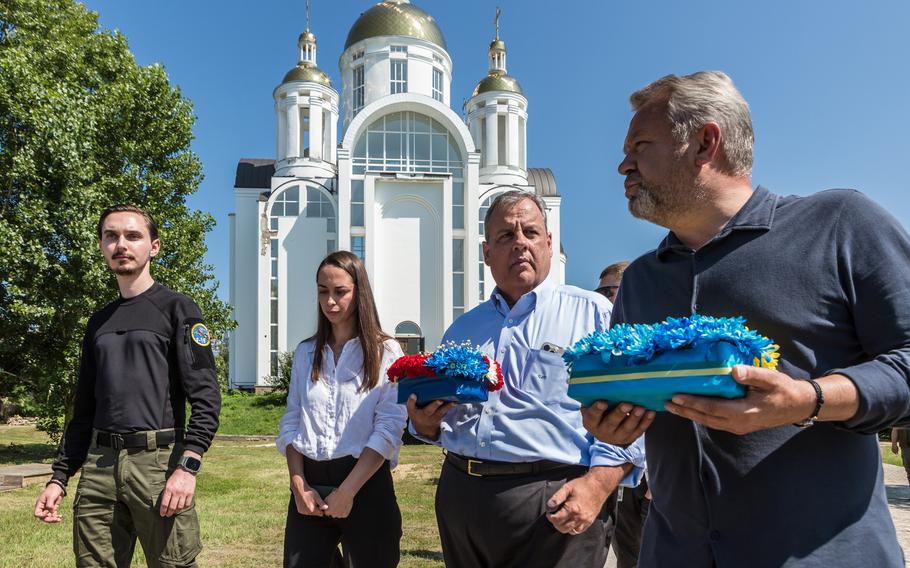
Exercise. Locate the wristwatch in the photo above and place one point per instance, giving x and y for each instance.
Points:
(189, 464)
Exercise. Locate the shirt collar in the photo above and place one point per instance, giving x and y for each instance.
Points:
(756, 215)
(525, 304)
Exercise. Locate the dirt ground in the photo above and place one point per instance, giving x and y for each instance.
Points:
(898, 501)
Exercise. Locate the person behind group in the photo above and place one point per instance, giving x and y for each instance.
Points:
(143, 356)
(900, 444)
(342, 429)
(610, 277)
(791, 474)
(631, 507)
(522, 483)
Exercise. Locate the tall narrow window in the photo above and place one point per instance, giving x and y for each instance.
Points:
(318, 205)
(357, 203)
(359, 247)
(457, 205)
(437, 84)
(358, 89)
(481, 271)
(457, 277)
(399, 75)
(273, 305)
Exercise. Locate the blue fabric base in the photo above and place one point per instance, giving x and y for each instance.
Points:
(653, 393)
(441, 387)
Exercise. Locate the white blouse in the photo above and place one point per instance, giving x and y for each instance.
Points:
(330, 418)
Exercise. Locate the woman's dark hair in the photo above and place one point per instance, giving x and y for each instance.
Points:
(368, 330)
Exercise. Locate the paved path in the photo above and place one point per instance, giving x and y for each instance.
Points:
(898, 501)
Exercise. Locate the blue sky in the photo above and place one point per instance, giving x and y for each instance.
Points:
(827, 82)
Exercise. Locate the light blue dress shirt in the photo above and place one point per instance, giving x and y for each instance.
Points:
(532, 417)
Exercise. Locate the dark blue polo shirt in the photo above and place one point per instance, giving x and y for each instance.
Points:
(828, 278)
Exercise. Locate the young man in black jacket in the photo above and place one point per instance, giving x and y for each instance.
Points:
(143, 357)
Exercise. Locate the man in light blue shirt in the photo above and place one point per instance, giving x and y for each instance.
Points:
(523, 484)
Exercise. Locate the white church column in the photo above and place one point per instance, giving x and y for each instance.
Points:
(512, 135)
(293, 127)
(490, 149)
(472, 241)
(369, 224)
(315, 126)
(344, 199)
(263, 311)
(447, 299)
(333, 134)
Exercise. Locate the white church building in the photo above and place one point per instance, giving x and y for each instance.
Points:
(402, 180)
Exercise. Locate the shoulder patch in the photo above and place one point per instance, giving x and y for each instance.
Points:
(200, 335)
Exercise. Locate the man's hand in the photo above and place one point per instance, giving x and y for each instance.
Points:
(772, 399)
(894, 448)
(178, 493)
(48, 504)
(339, 503)
(620, 426)
(576, 505)
(426, 420)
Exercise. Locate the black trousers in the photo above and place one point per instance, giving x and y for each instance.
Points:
(632, 512)
(370, 535)
(501, 522)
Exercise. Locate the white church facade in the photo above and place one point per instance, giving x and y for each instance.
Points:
(386, 169)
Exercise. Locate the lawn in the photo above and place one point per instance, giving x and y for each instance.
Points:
(242, 503)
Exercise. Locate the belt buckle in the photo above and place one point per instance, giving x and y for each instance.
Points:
(470, 468)
(116, 441)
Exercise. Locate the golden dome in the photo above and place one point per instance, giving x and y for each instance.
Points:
(305, 71)
(498, 81)
(395, 19)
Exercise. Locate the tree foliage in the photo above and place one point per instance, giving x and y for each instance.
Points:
(82, 127)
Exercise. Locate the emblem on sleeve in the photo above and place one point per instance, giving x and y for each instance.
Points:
(200, 335)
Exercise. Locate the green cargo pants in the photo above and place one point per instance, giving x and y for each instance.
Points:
(118, 499)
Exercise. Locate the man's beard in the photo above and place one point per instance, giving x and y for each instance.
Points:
(126, 270)
(661, 204)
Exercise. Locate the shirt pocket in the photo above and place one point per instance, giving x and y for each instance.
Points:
(545, 377)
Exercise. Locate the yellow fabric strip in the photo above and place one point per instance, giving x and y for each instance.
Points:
(653, 375)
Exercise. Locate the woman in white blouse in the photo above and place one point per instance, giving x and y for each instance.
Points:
(342, 428)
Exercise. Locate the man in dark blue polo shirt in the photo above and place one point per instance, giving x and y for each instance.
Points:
(791, 474)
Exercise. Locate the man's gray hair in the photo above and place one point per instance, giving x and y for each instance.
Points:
(509, 198)
(697, 99)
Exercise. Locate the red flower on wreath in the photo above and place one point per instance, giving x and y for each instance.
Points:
(409, 366)
(494, 374)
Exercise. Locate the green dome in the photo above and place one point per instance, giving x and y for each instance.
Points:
(498, 81)
(395, 19)
(309, 73)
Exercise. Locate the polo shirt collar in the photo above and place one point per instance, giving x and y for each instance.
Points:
(757, 214)
(525, 304)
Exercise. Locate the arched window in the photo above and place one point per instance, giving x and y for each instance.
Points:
(407, 328)
(410, 337)
(407, 142)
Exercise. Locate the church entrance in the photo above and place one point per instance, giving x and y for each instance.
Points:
(409, 336)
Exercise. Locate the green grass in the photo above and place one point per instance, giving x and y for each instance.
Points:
(242, 502)
(246, 413)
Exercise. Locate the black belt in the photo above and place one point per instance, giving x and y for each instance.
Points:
(137, 440)
(479, 468)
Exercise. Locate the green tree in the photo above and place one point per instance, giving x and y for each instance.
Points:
(83, 126)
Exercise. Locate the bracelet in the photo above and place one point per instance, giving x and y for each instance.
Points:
(58, 483)
(819, 401)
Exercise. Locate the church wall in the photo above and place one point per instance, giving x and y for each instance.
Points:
(299, 256)
(409, 269)
(244, 287)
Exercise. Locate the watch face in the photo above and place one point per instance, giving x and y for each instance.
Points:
(190, 463)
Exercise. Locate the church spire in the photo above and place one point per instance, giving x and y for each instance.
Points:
(498, 49)
(307, 42)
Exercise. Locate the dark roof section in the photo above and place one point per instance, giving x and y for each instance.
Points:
(254, 173)
(543, 181)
